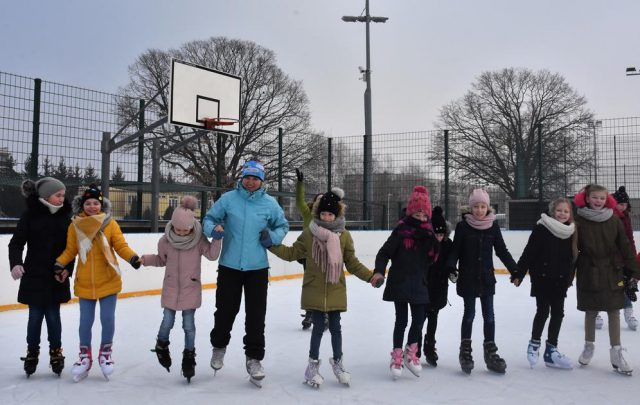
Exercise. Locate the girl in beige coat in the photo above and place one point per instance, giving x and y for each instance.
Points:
(180, 249)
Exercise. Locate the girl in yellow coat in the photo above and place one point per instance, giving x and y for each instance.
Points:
(95, 237)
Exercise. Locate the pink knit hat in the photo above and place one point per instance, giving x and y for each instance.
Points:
(419, 201)
(478, 195)
(184, 216)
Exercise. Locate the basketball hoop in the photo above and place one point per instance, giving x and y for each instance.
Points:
(214, 123)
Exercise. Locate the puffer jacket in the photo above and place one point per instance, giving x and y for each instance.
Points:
(244, 215)
(45, 235)
(95, 278)
(182, 285)
(317, 293)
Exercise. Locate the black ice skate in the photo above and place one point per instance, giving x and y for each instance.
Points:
(188, 364)
(494, 362)
(306, 322)
(430, 354)
(466, 360)
(162, 351)
(56, 360)
(31, 360)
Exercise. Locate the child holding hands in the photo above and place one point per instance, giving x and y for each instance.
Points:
(180, 249)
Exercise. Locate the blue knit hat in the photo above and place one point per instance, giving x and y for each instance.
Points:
(253, 168)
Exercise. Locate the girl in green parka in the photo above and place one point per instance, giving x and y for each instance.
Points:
(327, 247)
(600, 286)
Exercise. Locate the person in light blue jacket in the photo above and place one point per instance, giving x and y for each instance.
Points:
(250, 221)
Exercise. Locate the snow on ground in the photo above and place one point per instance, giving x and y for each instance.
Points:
(367, 328)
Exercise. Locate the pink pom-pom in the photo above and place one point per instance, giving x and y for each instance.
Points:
(189, 202)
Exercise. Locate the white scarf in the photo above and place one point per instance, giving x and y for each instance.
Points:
(557, 228)
(600, 215)
(52, 208)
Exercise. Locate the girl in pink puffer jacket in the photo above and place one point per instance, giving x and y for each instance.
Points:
(180, 250)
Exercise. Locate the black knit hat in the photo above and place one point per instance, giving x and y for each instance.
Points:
(621, 195)
(330, 202)
(91, 192)
(437, 221)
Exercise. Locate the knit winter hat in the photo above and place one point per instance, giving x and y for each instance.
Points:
(184, 216)
(621, 195)
(437, 221)
(419, 201)
(478, 196)
(47, 186)
(91, 192)
(330, 202)
(253, 168)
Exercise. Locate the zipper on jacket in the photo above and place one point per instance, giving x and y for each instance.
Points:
(93, 275)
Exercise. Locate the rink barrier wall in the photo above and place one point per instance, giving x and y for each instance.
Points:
(147, 281)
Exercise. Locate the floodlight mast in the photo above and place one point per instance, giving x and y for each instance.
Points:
(367, 191)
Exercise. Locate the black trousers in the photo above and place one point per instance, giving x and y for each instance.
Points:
(231, 283)
(546, 305)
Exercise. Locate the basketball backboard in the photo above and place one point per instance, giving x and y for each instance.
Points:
(198, 93)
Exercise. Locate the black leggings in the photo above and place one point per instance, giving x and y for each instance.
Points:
(545, 304)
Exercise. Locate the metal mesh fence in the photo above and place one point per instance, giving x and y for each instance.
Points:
(70, 122)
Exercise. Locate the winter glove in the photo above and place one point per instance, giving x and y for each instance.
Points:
(215, 235)
(377, 280)
(299, 175)
(453, 274)
(265, 239)
(17, 272)
(135, 262)
(630, 288)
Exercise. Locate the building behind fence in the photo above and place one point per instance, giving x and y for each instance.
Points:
(51, 129)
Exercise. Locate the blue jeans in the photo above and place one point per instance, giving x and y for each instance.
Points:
(486, 301)
(318, 330)
(54, 325)
(107, 319)
(188, 325)
(418, 312)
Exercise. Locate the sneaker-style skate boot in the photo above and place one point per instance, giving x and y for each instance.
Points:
(306, 322)
(411, 360)
(312, 376)
(587, 353)
(217, 358)
(162, 351)
(256, 371)
(105, 360)
(31, 360)
(396, 363)
(493, 361)
(430, 353)
(553, 358)
(343, 376)
(466, 360)
(631, 320)
(188, 364)
(533, 352)
(81, 368)
(618, 361)
(599, 321)
(56, 360)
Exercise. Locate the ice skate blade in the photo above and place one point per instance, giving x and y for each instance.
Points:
(256, 382)
(312, 384)
(625, 373)
(80, 377)
(552, 365)
(467, 371)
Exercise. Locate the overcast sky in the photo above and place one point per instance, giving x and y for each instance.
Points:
(426, 55)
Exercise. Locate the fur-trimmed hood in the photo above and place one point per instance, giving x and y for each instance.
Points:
(76, 205)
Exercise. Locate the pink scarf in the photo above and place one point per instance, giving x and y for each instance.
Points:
(480, 223)
(326, 252)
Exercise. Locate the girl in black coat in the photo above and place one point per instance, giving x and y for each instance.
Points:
(412, 248)
(475, 238)
(43, 228)
(549, 257)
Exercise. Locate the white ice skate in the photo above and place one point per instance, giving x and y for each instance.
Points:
(618, 361)
(217, 358)
(599, 321)
(312, 376)
(105, 361)
(396, 363)
(256, 372)
(411, 360)
(553, 358)
(80, 369)
(631, 320)
(587, 353)
(343, 376)
(533, 352)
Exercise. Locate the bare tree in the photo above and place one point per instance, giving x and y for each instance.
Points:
(269, 100)
(494, 138)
